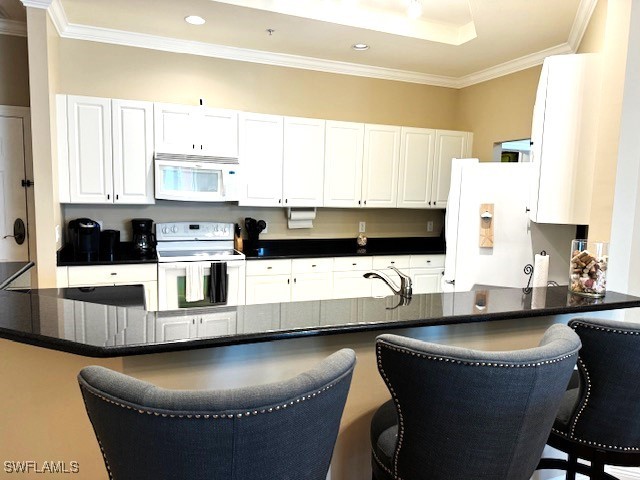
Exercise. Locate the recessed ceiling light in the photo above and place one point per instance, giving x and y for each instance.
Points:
(194, 20)
(359, 47)
(414, 10)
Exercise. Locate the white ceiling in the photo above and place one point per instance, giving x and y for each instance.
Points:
(453, 43)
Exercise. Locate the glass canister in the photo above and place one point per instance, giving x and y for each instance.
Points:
(588, 268)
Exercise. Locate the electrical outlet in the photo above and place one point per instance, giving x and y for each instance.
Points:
(266, 229)
(362, 227)
(429, 226)
(101, 223)
(57, 233)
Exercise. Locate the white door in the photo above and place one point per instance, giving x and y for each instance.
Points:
(380, 166)
(311, 286)
(426, 280)
(449, 145)
(268, 289)
(133, 152)
(351, 285)
(344, 145)
(416, 166)
(261, 159)
(303, 162)
(218, 133)
(90, 156)
(216, 324)
(173, 129)
(13, 198)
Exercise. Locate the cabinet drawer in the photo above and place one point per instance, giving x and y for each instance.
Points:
(268, 267)
(383, 261)
(426, 261)
(311, 265)
(350, 264)
(112, 274)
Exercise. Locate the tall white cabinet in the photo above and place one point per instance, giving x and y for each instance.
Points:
(563, 140)
(260, 157)
(105, 150)
(303, 162)
(450, 144)
(344, 146)
(380, 166)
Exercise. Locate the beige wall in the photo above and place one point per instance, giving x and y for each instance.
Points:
(14, 71)
(89, 68)
(607, 35)
(498, 110)
(43, 42)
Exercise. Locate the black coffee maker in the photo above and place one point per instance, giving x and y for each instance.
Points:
(144, 241)
(85, 239)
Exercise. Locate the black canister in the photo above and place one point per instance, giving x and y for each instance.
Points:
(109, 244)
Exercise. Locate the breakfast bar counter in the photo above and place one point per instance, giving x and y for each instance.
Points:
(103, 326)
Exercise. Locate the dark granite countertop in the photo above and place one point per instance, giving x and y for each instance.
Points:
(97, 330)
(126, 254)
(9, 271)
(343, 247)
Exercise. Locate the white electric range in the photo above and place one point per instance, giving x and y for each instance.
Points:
(182, 246)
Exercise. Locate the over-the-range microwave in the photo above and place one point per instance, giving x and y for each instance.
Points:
(193, 178)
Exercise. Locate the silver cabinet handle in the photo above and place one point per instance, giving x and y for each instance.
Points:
(450, 282)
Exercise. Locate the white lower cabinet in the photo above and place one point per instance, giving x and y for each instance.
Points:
(348, 277)
(426, 272)
(280, 281)
(179, 327)
(114, 275)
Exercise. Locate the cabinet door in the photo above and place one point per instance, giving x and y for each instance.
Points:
(416, 166)
(175, 328)
(89, 131)
(173, 128)
(311, 286)
(261, 159)
(426, 280)
(218, 133)
(344, 144)
(217, 324)
(268, 289)
(351, 285)
(132, 152)
(449, 145)
(380, 166)
(303, 163)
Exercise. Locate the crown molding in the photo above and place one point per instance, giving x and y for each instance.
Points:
(512, 66)
(44, 4)
(581, 22)
(12, 27)
(174, 45)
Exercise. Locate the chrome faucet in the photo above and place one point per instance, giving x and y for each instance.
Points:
(403, 290)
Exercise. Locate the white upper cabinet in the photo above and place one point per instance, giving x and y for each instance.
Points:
(380, 166)
(344, 144)
(450, 144)
(132, 151)
(261, 147)
(417, 146)
(563, 140)
(105, 150)
(89, 137)
(303, 163)
(189, 130)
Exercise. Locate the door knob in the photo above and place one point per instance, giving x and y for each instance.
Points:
(19, 232)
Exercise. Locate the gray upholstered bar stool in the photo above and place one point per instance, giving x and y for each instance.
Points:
(284, 430)
(599, 419)
(461, 414)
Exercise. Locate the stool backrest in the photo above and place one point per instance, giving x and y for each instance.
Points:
(277, 431)
(466, 413)
(608, 412)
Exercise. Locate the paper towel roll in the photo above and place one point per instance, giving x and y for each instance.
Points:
(539, 298)
(540, 270)
(302, 213)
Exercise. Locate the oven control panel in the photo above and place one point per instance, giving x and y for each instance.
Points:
(194, 231)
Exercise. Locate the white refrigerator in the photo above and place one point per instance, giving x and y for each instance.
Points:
(515, 238)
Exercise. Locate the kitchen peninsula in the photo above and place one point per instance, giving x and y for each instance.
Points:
(96, 328)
